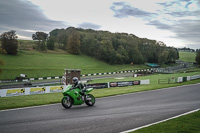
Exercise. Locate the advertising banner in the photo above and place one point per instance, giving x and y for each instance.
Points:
(38, 90)
(137, 82)
(195, 77)
(97, 85)
(144, 82)
(15, 92)
(113, 84)
(124, 83)
(184, 79)
(56, 89)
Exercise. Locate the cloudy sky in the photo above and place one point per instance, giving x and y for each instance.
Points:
(174, 22)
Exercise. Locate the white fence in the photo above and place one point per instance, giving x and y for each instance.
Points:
(188, 78)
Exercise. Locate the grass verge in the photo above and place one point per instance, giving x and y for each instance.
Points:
(185, 124)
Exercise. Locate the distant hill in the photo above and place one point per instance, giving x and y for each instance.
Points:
(52, 63)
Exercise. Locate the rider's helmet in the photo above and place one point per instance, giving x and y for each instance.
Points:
(75, 80)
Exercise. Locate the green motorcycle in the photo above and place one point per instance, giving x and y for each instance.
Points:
(77, 97)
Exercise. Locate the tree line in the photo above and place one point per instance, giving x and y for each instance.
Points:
(186, 49)
(113, 48)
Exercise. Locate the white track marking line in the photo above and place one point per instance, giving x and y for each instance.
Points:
(161, 121)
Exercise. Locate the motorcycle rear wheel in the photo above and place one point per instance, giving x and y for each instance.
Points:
(67, 102)
(90, 102)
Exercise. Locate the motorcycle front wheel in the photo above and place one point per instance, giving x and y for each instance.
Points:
(67, 102)
(89, 100)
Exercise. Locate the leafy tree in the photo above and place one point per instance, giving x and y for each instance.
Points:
(163, 57)
(62, 38)
(9, 42)
(172, 56)
(50, 43)
(73, 43)
(89, 45)
(122, 55)
(42, 46)
(41, 36)
(198, 57)
(136, 56)
(106, 51)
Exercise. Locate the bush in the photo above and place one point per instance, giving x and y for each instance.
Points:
(9, 42)
(2, 51)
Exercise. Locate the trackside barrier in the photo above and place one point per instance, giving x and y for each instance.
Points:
(188, 78)
(60, 77)
(145, 82)
(30, 91)
(52, 89)
(117, 84)
(119, 72)
(170, 80)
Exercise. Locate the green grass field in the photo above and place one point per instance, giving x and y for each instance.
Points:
(52, 63)
(187, 56)
(36, 64)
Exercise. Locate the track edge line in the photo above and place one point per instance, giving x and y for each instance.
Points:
(134, 129)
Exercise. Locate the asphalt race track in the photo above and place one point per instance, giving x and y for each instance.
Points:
(109, 115)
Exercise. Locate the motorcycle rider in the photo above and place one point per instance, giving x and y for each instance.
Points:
(77, 84)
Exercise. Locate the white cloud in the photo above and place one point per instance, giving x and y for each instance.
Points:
(33, 31)
(75, 12)
(23, 37)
